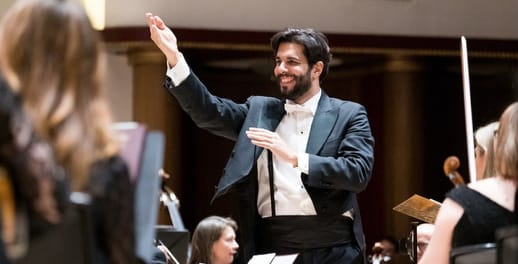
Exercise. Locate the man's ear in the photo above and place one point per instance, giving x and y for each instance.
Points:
(318, 68)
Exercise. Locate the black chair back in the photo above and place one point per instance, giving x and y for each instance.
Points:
(71, 241)
(507, 242)
(474, 254)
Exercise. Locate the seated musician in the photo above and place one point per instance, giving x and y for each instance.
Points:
(384, 250)
(424, 235)
(470, 214)
(214, 241)
(56, 134)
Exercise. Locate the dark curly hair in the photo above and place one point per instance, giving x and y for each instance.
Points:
(316, 46)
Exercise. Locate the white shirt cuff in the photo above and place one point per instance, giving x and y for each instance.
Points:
(303, 162)
(179, 72)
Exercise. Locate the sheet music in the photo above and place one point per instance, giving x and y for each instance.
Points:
(420, 208)
(262, 259)
(284, 259)
(272, 258)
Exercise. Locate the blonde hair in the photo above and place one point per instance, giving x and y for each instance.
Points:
(54, 59)
(484, 135)
(484, 138)
(506, 148)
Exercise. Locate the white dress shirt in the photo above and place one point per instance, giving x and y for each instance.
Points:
(291, 198)
(180, 71)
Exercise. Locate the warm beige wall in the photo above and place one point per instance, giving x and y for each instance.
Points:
(120, 87)
(481, 18)
(473, 18)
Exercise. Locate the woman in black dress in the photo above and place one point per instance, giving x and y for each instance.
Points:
(56, 136)
(471, 214)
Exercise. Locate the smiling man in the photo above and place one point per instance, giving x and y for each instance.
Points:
(298, 161)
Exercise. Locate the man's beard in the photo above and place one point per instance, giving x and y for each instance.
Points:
(302, 85)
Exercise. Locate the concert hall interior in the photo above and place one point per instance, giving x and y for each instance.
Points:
(398, 58)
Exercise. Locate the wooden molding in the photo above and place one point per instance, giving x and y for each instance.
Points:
(125, 38)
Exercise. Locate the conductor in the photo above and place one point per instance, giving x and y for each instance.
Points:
(298, 162)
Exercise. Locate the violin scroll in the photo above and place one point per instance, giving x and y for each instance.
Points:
(451, 164)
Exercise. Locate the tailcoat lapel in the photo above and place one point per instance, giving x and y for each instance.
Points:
(323, 123)
(271, 119)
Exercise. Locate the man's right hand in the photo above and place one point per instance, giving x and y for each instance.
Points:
(164, 38)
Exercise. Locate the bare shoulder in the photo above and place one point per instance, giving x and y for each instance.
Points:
(499, 190)
(483, 186)
(450, 210)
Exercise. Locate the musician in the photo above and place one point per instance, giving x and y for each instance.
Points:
(470, 214)
(424, 233)
(387, 251)
(214, 241)
(318, 151)
(384, 250)
(56, 135)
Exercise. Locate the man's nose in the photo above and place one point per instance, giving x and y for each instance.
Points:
(281, 67)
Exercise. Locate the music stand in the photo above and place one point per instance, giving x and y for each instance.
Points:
(143, 151)
(146, 194)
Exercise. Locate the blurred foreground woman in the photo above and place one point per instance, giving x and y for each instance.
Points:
(56, 135)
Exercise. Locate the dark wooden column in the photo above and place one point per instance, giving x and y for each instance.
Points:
(402, 138)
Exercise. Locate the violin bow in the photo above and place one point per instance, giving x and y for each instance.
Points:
(467, 109)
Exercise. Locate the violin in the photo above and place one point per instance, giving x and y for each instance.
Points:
(451, 164)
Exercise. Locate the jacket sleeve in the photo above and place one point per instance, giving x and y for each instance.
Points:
(220, 116)
(346, 159)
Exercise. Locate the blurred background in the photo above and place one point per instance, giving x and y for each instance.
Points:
(399, 58)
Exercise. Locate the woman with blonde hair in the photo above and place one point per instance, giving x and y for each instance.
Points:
(472, 213)
(53, 62)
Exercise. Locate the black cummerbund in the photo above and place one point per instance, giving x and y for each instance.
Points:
(303, 232)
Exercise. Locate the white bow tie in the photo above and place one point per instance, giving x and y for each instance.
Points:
(293, 108)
